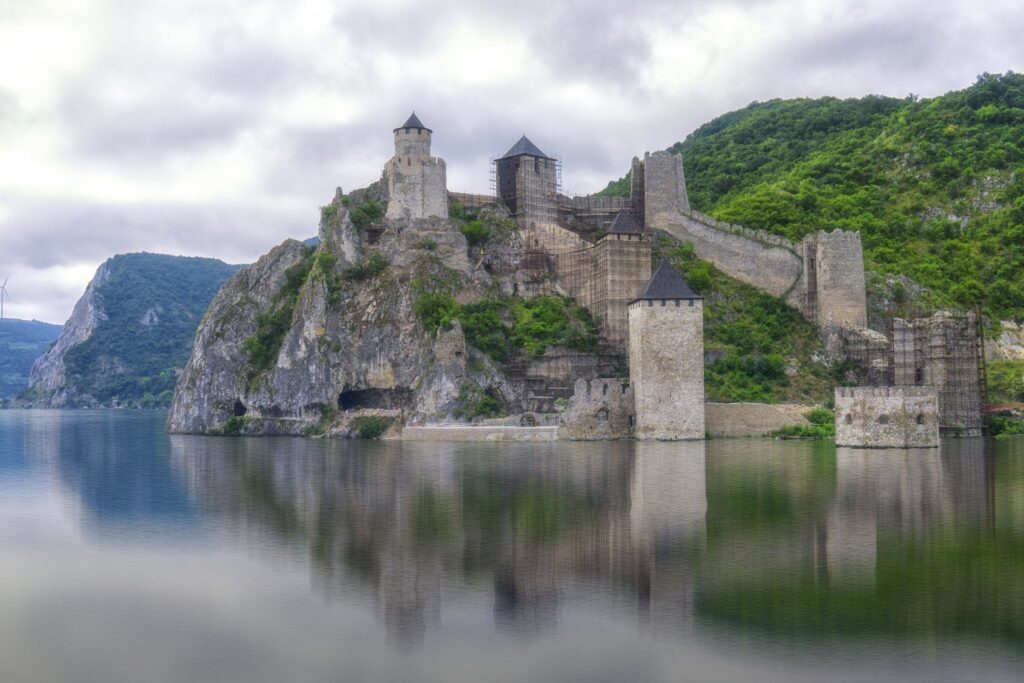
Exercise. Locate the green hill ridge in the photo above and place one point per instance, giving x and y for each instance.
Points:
(934, 186)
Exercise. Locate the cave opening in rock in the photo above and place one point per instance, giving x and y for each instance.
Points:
(239, 408)
(359, 399)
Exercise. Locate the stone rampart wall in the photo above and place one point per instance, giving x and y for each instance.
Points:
(600, 409)
(417, 188)
(771, 265)
(887, 417)
(751, 419)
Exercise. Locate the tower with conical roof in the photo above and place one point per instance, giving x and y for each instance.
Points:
(417, 182)
(527, 183)
(666, 358)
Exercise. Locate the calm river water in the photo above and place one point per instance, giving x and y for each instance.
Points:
(130, 555)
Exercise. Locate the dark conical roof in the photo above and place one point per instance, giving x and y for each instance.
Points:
(666, 283)
(524, 146)
(414, 122)
(626, 223)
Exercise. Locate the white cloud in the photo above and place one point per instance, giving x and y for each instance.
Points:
(218, 128)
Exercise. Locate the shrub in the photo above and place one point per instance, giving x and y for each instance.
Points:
(426, 243)
(477, 232)
(370, 426)
(329, 212)
(821, 416)
(475, 402)
(370, 267)
(436, 310)
(233, 426)
(367, 213)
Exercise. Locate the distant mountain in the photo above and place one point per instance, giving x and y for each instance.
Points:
(129, 333)
(21, 342)
(934, 186)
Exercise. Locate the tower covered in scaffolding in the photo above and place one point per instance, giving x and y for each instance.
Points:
(527, 182)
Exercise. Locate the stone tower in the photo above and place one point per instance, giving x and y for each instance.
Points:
(417, 182)
(666, 358)
(527, 183)
(833, 279)
(659, 185)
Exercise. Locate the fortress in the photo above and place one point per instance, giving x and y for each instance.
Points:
(598, 251)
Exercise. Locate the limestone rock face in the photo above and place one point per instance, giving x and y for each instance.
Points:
(48, 373)
(352, 342)
(212, 381)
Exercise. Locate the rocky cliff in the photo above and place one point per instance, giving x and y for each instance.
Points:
(128, 333)
(309, 339)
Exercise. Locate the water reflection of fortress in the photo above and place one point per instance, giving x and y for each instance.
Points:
(675, 532)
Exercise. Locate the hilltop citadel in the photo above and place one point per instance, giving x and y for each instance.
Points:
(917, 377)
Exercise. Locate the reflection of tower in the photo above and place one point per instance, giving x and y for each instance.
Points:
(666, 358)
(903, 494)
(668, 508)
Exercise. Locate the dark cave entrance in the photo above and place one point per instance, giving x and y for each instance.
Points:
(359, 399)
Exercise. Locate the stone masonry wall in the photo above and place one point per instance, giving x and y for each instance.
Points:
(887, 417)
(838, 261)
(600, 409)
(622, 266)
(664, 185)
(666, 365)
(751, 419)
(765, 261)
(417, 187)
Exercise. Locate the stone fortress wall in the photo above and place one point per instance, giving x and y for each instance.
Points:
(887, 417)
(822, 276)
(600, 409)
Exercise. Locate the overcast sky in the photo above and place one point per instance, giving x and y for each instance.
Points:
(218, 127)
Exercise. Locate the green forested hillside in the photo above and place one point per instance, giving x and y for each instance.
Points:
(21, 342)
(934, 186)
(153, 304)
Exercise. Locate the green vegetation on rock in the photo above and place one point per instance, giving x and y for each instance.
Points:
(152, 305)
(503, 327)
(21, 342)
(370, 426)
(823, 426)
(263, 347)
(760, 348)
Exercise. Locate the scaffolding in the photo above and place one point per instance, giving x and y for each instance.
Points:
(944, 350)
(529, 187)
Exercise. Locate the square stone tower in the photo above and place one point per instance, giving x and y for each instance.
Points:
(417, 182)
(527, 182)
(666, 358)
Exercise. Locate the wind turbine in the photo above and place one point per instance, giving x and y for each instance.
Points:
(3, 295)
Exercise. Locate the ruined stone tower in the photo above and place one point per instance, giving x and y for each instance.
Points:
(417, 182)
(666, 358)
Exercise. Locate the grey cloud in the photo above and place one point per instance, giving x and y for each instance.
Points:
(42, 234)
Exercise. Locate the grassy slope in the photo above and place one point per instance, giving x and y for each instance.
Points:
(759, 348)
